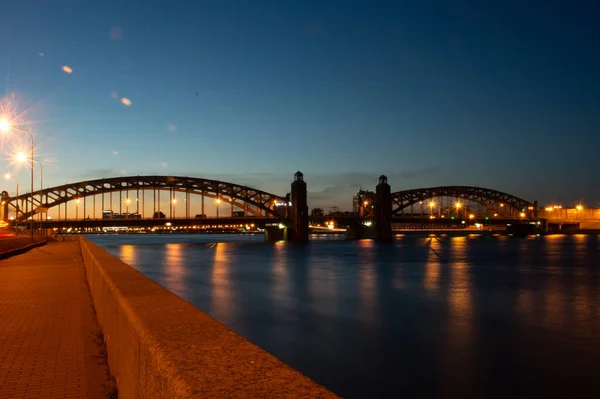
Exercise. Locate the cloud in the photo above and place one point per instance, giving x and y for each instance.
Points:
(67, 69)
(126, 101)
(114, 94)
(115, 153)
(41, 54)
(123, 172)
(163, 164)
(172, 127)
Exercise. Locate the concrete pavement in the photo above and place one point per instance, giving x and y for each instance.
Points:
(50, 343)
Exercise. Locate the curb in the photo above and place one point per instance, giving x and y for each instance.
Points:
(22, 250)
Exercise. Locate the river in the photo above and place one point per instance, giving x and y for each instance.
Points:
(426, 316)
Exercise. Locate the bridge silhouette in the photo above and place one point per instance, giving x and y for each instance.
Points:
(254, 206)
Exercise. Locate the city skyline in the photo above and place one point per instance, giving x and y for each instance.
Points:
(426, 94)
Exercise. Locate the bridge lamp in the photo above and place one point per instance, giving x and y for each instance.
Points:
(522, 214)
(579, 207)
(471, 216)
(431, 206)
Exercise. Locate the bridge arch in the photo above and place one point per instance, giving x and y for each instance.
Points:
(252, 200)
(501, 203)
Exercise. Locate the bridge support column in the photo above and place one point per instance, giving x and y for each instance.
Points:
(383, 210)
(298, 231)
(4, 197)
(535, 210)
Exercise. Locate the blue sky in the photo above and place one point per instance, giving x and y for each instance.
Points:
(503, 95)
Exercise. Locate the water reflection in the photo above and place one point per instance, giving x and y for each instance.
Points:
(367, 281)
(128, 254)
(175, 270)
(421, 317)
(433, 265)
(280, 289)
(458, 352)
(223, 295)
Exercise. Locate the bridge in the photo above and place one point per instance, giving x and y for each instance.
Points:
(140, 202)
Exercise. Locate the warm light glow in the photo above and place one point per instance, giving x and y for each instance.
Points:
(67, 69)
(501, 205)
(549, 209)
(458, 205)
(366, 203)
(522, 214)
(471, 216)
(127, 201)
(21, 157)
(218, 201)
(579, 207)
(77, 201)
(4, 125)
(126, 101)
(174, 200)
(7, 176)
(431, 203)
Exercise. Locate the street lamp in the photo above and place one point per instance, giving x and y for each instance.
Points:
(41, 187)
(174, 201)
(217, 202)
(6, 126)
(127, 201)
(431, 206)
(21, 157)
(458, 205)
(77, 209)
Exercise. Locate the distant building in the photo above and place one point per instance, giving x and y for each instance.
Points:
(363, 202)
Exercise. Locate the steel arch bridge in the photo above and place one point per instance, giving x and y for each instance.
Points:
(496, 201)
(253, 201)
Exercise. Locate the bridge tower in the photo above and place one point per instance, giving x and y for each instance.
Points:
(4, 208)
(299, 226)
(383, 210)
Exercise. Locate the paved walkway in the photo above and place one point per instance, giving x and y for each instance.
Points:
(48, 333)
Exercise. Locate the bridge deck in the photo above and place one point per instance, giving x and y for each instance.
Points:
(47, 327)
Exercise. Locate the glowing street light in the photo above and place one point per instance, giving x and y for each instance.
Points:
(6, 126)
(217, 202)
(579, 207)
(77, 209)
(458, 205)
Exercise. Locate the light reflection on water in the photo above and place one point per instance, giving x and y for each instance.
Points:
(429, 316)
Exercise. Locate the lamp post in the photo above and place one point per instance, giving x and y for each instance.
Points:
(41, 187)
(5, 126)
(174, 205)
(217, 202)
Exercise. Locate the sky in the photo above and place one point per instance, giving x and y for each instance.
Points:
(498, 94)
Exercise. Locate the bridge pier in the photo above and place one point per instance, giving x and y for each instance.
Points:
(274, 233)
(4, 197)
(383, 210)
